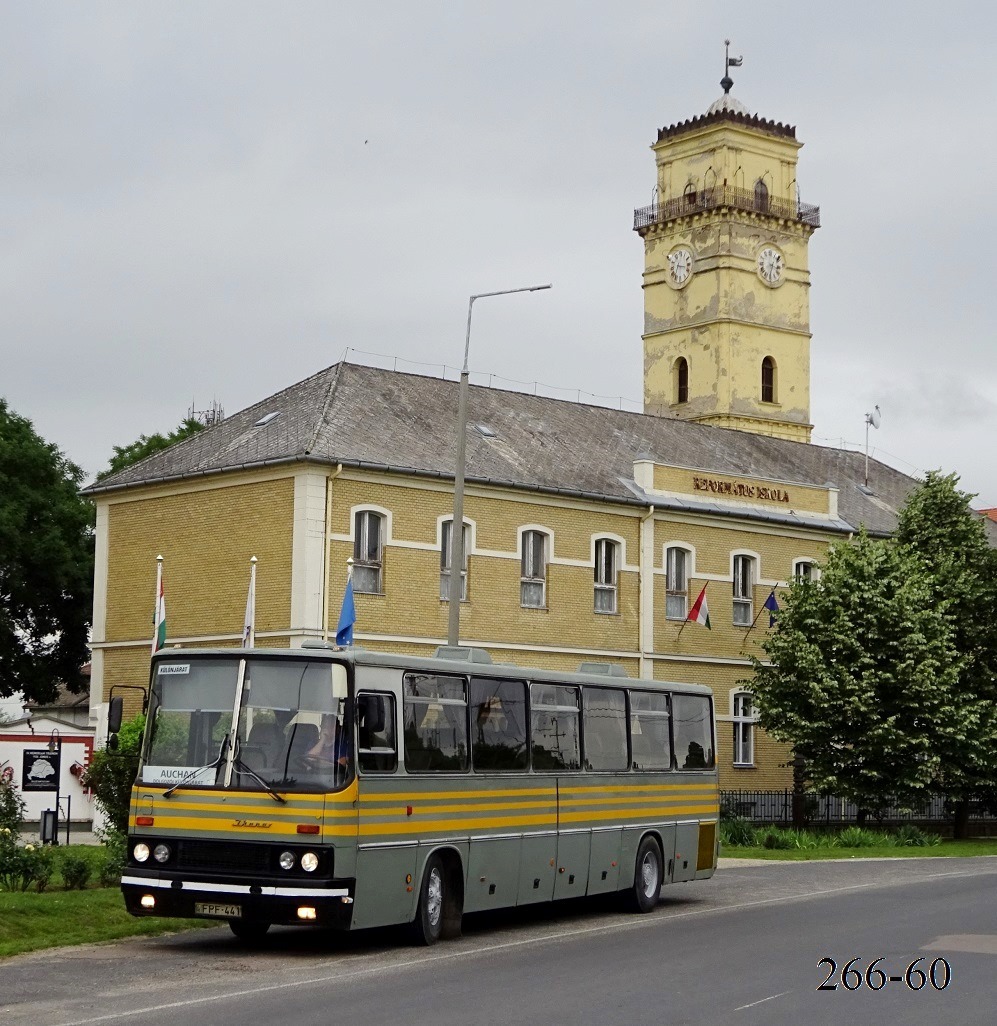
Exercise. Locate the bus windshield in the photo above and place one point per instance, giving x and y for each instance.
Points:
(292, 731)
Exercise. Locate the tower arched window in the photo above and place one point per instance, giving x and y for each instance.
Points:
(761, 196)
(681, 373)
(768, 380)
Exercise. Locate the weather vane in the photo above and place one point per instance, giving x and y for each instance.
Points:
(729, 62)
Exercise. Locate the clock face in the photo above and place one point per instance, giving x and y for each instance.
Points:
(680, 265)
(770, 265)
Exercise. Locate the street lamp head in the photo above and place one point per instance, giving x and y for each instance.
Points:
(54, 740)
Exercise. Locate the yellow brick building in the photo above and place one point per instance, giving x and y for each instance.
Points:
(590, 532)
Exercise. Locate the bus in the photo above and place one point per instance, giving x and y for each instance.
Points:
(352, 789)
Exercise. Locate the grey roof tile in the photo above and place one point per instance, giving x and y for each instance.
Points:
(366, 416)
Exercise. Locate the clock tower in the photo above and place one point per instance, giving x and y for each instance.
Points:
(726, 274)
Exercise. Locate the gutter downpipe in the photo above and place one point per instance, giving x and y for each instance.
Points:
(645, 594)
(328, 548)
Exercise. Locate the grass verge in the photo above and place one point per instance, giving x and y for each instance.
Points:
(30, 921)
(945, 849)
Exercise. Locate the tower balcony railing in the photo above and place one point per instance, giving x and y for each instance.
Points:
(726, 196)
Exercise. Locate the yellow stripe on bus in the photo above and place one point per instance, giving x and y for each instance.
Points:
(230, 830)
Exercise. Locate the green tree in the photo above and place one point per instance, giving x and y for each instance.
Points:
(126, 455)
(111, 773)
(939, 527)
(46, 564)
(860, 676)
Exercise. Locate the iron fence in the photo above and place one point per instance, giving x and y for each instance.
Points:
(821, 809)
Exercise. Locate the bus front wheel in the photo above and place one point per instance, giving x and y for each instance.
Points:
(647, 876)
(428, 924)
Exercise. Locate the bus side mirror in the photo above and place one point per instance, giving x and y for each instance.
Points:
(114, 710)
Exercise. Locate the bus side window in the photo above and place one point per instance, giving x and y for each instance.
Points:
(604, 717)
(378, 750)
(693, 732)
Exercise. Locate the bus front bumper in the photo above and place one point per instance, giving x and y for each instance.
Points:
(160, 894)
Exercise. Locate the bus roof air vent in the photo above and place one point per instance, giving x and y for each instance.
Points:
(603, 669)
(463, 654)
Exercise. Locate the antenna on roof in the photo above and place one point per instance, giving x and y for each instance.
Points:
(874, 419)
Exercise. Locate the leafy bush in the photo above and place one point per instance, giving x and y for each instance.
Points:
(774, 838)
(111, 774)
(41, 865)
(857, 837)
(75, 871)
(737, 833)
(912, 836)
(11, 807)
(115, 856)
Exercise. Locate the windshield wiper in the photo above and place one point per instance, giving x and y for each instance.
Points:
(240, 765)
(194, 773)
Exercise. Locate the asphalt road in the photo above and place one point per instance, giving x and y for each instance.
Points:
(741, 949)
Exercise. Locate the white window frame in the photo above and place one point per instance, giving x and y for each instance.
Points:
(812, 572)
(368, 567)
(744, 720)
(446, 535)
(606, 575)
(674, 597)
(533, 577)
(743, 588)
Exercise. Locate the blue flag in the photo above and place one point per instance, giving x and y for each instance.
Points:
(347, 617)
(772, 606)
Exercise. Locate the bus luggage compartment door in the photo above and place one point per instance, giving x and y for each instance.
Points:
(686, 852)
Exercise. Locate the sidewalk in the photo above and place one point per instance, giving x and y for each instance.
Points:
(79, 833)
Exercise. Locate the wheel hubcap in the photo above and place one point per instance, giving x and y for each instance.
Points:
(649, 874)
(434, 897)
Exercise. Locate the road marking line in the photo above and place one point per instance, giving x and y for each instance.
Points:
(762, 1002)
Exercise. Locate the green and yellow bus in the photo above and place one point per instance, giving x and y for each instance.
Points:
(352, 789)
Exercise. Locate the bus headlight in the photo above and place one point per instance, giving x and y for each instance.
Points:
(140, 853)
(161, 853)
(309, 862)
(286, 860)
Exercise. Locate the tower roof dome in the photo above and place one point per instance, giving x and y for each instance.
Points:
(728, 103)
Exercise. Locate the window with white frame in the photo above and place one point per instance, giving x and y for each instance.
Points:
(804, 570)
(744, 582)
(744, 729)
(368, 552)
(533, 570)
(446, 551)
(676, 583)
(606, 570)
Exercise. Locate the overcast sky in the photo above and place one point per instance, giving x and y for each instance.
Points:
(211, 201)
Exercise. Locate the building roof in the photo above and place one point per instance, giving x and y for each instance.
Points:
(368, 417)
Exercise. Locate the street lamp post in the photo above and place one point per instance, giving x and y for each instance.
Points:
(55, 745)
(457, 526)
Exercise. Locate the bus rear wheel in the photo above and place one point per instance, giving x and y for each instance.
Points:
(248, 932)
(647, 876)
(427, 928)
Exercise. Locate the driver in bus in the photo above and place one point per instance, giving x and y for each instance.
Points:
(332, 745)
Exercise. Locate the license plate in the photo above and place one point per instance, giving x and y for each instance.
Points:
(209, 908)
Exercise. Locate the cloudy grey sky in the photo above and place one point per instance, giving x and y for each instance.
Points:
(209, 201)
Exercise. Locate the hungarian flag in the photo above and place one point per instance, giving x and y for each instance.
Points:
(249, 624)
(700, 612)
(159, 617)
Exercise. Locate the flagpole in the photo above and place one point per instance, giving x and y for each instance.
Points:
(249, 627)
(155, 608)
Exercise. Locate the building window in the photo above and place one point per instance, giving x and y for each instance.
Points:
(606, 566)
(761, 196)
(744, 581)
(676, 583)
(681, 380)
(690, 195)
(768, 380)
(533, 570)
(368, 552)
(744, 730)
(804, 570)
(446, 543)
